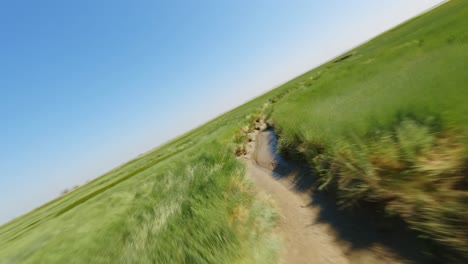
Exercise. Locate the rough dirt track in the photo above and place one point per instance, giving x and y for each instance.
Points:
(305, 236)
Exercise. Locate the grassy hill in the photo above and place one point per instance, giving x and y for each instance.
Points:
(386, 123)
(186, 201)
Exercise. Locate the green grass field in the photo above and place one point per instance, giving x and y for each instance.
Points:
(187, 201)
(385, 123)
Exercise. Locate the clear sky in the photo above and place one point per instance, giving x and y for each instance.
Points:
(87, 85)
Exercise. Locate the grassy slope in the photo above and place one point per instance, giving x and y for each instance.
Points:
(388, 123)
(187, 201)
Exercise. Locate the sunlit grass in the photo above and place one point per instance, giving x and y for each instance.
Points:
(185, 202)
(388, 123)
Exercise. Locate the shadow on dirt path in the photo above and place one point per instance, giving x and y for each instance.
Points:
(328, 234)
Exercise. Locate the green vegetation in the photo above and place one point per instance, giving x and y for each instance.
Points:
(186, 202)
(385, 123)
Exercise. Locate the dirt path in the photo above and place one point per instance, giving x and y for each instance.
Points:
(308, 236)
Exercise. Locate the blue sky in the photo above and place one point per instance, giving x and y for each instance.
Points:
(87, 85)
